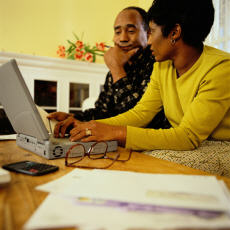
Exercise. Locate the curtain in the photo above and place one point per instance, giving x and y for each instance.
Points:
(219, 36)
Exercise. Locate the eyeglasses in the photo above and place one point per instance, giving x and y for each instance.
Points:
(97, 151)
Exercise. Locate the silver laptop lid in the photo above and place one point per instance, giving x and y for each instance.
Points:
(18, 103)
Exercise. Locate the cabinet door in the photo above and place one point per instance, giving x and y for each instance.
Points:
(45, 94)
(78, 93)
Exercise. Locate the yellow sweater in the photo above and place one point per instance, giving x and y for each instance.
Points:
(197, 105)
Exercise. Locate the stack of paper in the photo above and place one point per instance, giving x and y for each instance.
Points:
(107, 199)
(4, 176)
(8, 137)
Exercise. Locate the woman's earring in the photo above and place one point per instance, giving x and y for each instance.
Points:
(173, 41)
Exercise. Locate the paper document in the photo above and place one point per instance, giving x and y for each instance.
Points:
(116, 200)
(8, 137)
(181, 191)
(49, 124)
(57, 211)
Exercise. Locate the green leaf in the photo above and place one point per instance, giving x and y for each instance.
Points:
(87, 49)
(99, 54)
(69, 50)
(94, 57)
(77, 38)
(71, 57)
(71, 43)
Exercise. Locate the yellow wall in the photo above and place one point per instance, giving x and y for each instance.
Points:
(145, 4)
(39, 26)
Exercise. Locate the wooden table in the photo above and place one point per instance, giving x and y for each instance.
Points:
(19, 199)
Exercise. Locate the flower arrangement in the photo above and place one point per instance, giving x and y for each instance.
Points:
(77, 50)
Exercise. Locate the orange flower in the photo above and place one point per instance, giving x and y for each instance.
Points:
(79, 44)
(62, 48)
(79, 53)
(62, 55)
(89, 57)
(78, 50)
(100, 46)
(61, 51)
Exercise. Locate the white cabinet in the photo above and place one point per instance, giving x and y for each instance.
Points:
(59, 84)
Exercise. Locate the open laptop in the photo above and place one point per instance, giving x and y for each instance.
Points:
(26, 120)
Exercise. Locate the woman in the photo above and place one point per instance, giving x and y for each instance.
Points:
(190, 81)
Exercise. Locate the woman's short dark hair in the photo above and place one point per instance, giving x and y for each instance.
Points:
(195, 18)
(143, 14)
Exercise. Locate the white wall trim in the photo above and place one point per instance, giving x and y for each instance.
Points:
(52, 63)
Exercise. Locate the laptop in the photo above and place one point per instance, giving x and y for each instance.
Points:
(26, 120)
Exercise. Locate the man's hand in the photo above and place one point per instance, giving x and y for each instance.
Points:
(64, 127)
(59, 116)
(115, 58)
(65, 124)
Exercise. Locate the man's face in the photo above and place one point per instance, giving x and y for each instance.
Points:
(129, 32)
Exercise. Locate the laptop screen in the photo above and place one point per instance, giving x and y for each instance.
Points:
(18, 103)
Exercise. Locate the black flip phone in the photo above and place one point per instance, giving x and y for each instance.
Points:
(31, 168)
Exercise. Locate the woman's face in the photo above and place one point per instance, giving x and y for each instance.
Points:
(161, 46)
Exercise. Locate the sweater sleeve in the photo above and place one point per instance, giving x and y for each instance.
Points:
(202, 117)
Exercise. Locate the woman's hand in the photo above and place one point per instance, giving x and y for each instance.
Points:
(96, 131)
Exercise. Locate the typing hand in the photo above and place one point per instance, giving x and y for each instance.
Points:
(65, 124)
(59, 116)
(96, 131)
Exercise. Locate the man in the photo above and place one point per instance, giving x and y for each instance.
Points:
(130, 62)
